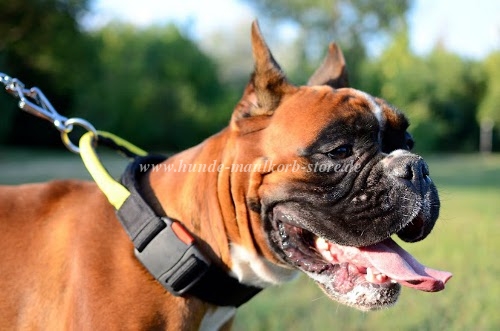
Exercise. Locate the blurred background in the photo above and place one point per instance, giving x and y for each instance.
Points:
(167, 74)
(178, 68)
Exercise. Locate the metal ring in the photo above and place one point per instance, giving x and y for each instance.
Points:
(61, 126)
(69, 123)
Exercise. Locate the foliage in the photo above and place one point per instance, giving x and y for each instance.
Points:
(489, 108)
(154, 85)
(351, 23)
(439, 93)
(41, 44)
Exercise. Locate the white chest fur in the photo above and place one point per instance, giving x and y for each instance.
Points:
(252, 269)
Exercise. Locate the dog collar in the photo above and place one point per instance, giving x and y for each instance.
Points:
(163, 245)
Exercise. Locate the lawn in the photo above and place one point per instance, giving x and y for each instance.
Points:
(465, 241)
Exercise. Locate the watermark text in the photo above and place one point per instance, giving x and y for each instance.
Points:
(265, 167)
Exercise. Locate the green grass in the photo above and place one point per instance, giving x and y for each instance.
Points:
(465, 241)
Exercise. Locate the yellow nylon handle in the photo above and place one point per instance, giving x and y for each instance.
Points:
(114, 191)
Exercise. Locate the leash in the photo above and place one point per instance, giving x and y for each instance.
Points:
(164, 246)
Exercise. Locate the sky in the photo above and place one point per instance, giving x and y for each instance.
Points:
(469, 28)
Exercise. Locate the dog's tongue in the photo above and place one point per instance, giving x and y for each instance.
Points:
(392, 260)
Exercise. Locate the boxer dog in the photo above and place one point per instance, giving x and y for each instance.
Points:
(331, 179)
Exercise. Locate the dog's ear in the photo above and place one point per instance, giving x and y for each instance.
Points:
(332, 71)
(267, 85)
(247, 105)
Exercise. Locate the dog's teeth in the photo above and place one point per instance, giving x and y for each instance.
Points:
(282, 232)
(328, 257)
(375, 276)
(321, 244)
(323, 248)
(369, 275)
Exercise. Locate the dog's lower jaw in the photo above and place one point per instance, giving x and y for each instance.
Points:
(345, 282)
(366, 298)
(252, 269)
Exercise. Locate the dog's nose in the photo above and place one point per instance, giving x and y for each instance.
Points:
(409, 168)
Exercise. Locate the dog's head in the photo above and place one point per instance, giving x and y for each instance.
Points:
(337, 179)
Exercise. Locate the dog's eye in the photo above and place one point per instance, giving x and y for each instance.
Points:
(340, 152)
(410, 143)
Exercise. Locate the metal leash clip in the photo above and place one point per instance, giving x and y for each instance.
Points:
(34, 102)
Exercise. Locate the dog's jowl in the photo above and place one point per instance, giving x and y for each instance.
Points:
(313, 179)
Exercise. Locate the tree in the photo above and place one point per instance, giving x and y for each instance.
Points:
(489, 109)
(41, 44)
(353, 24)
(154, 87)
(456, 88)
(439, 93)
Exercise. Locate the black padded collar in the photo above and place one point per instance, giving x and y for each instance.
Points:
(168, 250)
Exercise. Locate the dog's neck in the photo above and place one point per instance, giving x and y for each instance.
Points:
(176, 183)
(217, 206)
